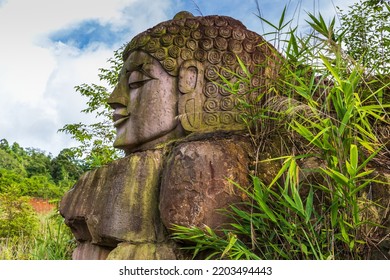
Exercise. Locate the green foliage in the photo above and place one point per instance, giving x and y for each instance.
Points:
(7, 161)
(17, 217)
(40, 186)
(36, 174)
(51, 240)
(367, 28)
(10, 178)
(66, 167)
(333, 108)
(208, 241)
(96, 139)
(55, 241)
(36, 162)
(26, 173)
(296, 220)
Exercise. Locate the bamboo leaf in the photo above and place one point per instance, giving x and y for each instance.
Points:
(281, 20)
(332, 70)
(298, 203)
(243, 67)
(354, 157)
(359, 188)
(304, 249)
(367, 145)
(350, 170)
(367, 160)
(337, 176)
(309, 205)
(347, 116)
(364, 174)
(307, 134)
(363, 131)
(344, 232)
(285, 165)
(289, 200)
(269, 23)
(232, 241)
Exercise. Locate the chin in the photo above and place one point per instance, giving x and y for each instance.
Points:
(126, 146)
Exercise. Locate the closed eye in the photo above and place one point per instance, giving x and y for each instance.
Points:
(138, 78)
(137, 84)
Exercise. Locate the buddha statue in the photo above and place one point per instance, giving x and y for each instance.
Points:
(177, 120)
(176, 76)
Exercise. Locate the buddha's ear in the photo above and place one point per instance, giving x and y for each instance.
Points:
(191, 82)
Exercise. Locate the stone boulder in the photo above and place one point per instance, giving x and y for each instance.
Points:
(116, 203)
(198, 181)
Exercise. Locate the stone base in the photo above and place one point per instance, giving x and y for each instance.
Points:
(117, 203)
(145, 251)
(123, 210)
(88, 251)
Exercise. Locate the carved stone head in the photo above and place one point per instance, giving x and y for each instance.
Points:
(177, 77)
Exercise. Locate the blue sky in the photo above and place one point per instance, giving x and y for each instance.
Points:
(49, 46)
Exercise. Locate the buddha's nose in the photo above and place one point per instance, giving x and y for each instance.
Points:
(119, 96)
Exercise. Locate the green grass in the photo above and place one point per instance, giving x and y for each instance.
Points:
(51, 241)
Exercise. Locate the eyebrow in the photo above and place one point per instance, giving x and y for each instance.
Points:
(141, 67)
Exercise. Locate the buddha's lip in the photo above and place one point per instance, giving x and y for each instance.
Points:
(120, 115)
(119, 121)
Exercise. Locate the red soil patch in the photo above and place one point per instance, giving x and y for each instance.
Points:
(42, 206)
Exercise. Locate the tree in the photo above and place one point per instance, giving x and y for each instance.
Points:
(7, 161)
(32, 172)
(96, 139)
(37, 162)
(367, 34)
(9, 179)
(66, 167)
(4, 145)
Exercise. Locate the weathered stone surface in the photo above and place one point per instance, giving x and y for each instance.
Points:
(88, 251)
(195, 182)
(117, 202)
(145, 251)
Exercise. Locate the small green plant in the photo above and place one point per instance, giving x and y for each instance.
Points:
(17, 217)
(15, 248)
(55, 241)
(50, 240)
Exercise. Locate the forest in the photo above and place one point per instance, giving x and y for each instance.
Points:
(27, 173)
(32, 172)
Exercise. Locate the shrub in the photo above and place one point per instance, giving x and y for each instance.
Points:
(17, 217)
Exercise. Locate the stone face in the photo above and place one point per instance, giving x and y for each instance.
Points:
(169, 84)
(145, 102)
(117, 203)
(195, 183)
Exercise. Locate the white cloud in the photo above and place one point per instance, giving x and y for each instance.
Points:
(40, 16)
